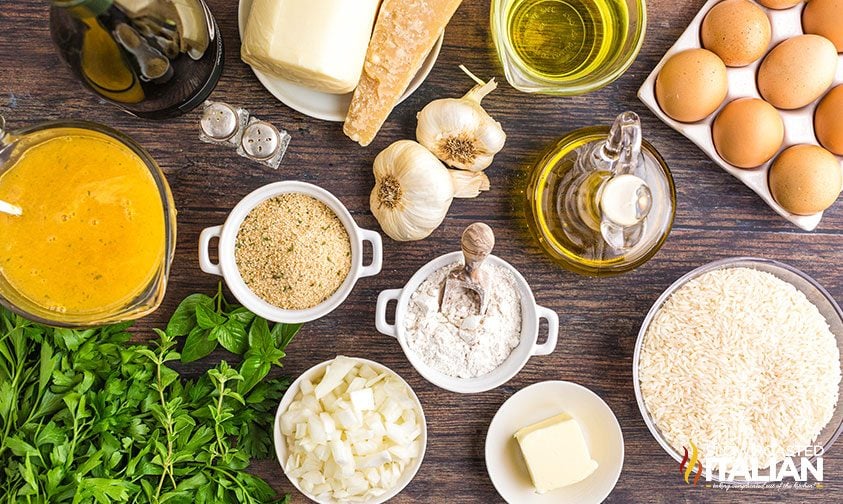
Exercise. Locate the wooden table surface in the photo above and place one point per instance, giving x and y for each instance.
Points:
(716, 217)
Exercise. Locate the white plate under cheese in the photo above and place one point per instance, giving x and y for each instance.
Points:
(316, 103)
(600, 428)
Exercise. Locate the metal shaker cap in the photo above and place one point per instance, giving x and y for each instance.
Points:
(219, 121)
(260, 140)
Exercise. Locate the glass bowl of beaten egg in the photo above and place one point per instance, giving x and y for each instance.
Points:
(96, 235)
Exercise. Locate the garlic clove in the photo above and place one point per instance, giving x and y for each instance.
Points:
(481, 162)
(491, 136)
(468, 184)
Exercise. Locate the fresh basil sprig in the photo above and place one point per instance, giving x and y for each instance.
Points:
(211, 321)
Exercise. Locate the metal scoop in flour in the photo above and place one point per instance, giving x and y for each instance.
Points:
(477, 243)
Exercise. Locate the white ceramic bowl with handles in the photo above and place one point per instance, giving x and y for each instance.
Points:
(227, 266)
(531, 315)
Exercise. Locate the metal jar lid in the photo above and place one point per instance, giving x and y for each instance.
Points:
(260, 140)
(219, 121)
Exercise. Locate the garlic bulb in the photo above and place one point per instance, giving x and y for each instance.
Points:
(459, 131)
(413, 190)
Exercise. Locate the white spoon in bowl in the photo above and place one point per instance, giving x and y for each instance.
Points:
(8, 208)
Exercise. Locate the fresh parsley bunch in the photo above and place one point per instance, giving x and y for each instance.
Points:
(86, 417)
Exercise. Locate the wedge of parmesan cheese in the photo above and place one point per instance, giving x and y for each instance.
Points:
(405, 32)
(319, 44)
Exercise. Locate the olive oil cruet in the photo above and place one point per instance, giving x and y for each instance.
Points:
(601, 201)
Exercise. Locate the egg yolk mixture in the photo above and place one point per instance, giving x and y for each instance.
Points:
(92, 234)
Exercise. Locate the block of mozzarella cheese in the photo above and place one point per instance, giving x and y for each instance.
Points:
(556, 453)
(405, 32)
(319, 44)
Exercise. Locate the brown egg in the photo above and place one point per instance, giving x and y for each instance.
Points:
(828, 121)
(736, 30)
(805, 179)
(797, 71)
(748, 132)
(691, 85)
(825, 17)
(779, 4)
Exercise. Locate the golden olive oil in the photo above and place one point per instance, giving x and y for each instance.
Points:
(562, 210)
(565, 40)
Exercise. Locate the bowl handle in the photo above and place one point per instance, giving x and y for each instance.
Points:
(552, 319)
(204, 254)
(377, 252)
(380, 312)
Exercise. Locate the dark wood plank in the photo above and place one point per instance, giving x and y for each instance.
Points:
(717, 217)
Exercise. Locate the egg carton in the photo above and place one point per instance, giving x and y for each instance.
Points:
(798, 124)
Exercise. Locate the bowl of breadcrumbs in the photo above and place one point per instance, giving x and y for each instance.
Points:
(290, 252)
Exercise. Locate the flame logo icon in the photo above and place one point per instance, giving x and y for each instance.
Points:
(688, 463)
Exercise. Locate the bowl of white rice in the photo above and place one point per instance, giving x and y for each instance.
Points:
(737, 371)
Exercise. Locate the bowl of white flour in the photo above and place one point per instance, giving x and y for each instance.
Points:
(458, 349)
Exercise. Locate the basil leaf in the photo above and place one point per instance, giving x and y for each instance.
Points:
(197, 345)
(274, 356)
(260, 339)
(232, 336)
(242, 315)
(184, 318)
(253, 370)
(283, 334)
(207, 318)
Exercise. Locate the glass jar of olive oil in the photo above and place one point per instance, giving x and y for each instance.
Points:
(566, 47)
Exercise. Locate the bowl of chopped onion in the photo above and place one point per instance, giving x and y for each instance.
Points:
(350, 429)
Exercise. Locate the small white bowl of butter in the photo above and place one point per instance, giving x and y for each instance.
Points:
(600, 430)
(531, 316)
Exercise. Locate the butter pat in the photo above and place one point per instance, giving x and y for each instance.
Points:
(319, 44)
(555, 452)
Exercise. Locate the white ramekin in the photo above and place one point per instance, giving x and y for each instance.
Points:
(531, 314)
(311, 374)
(227, 266)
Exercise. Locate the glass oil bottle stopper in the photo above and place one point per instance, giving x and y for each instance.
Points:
(605, 202)
(623, 199)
